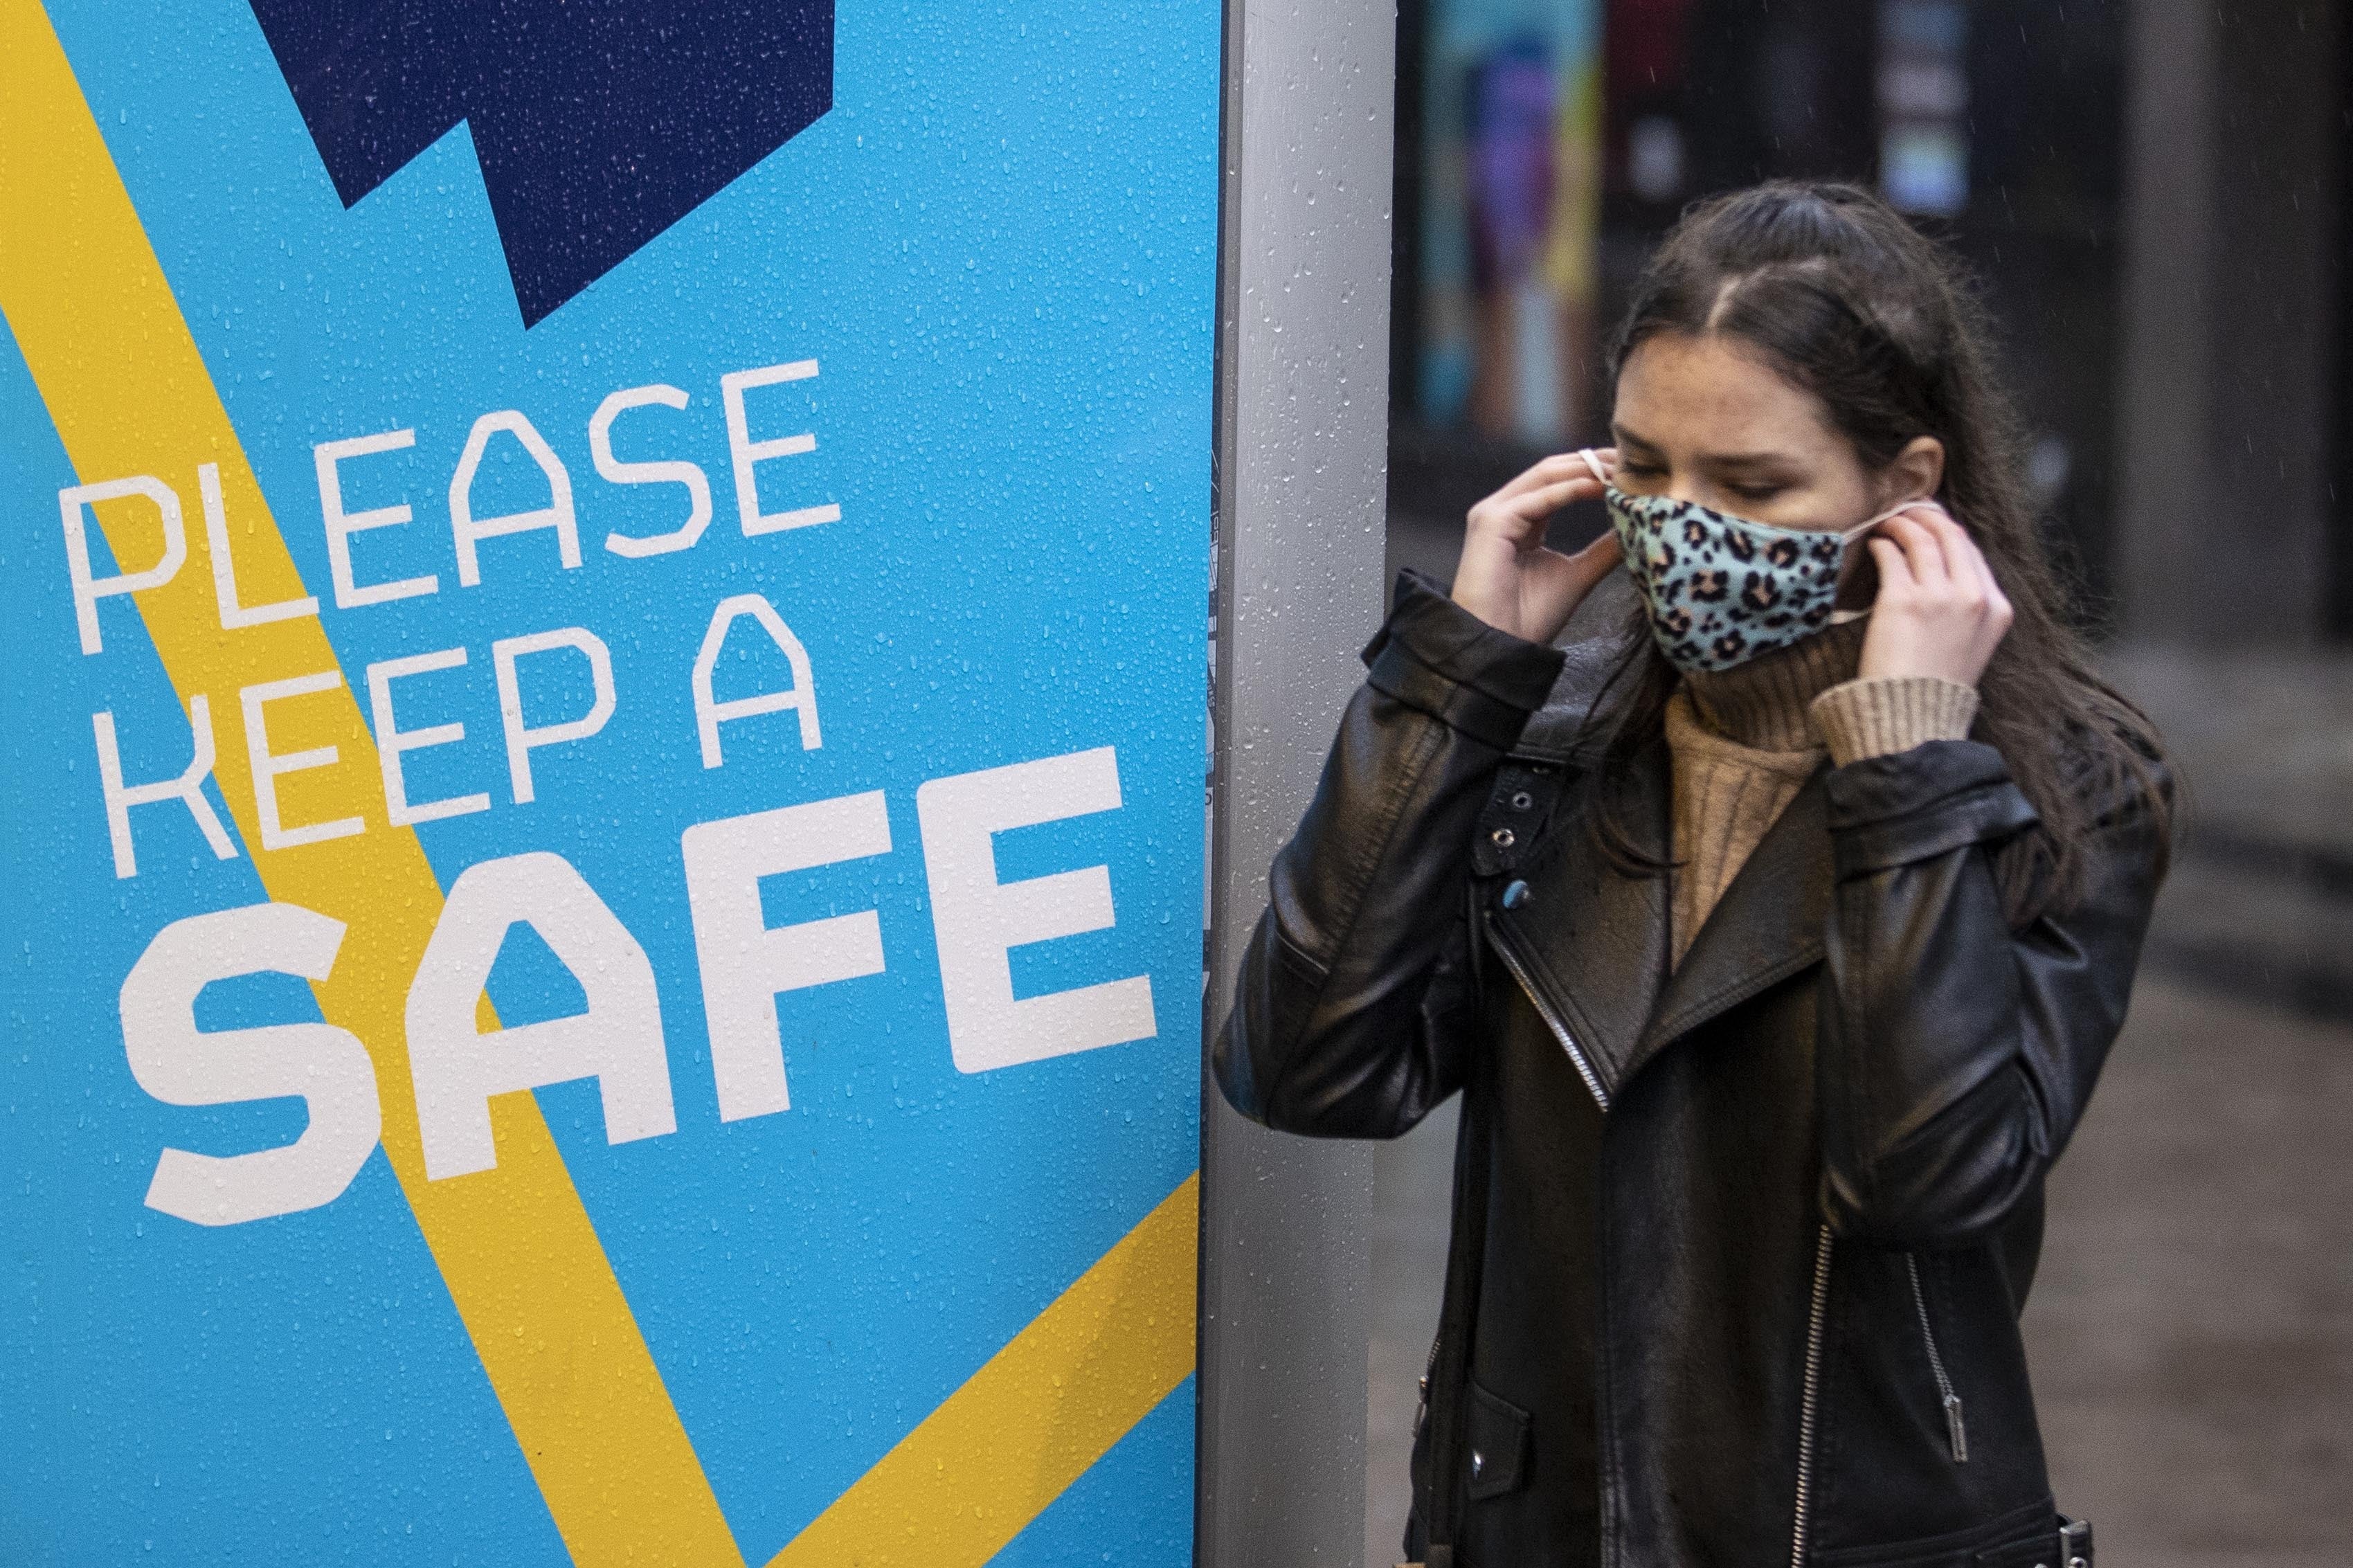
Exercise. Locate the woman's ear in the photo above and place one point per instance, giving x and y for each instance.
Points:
(1916, 473)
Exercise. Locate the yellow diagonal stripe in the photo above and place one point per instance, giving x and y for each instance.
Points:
(90, 307)
(1031, 1420)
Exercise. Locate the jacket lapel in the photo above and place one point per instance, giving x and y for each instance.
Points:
(1766, 928)
(1594, 935)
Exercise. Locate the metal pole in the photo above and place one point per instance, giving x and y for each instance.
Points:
(1302, 397)
(2226, 313)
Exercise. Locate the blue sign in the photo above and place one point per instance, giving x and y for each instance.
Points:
(605, 777)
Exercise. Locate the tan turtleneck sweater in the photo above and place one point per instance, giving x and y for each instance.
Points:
(1744, 740)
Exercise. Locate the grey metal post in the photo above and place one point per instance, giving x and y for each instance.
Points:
(2228, 311)
(1302, 397)
(2165, 494)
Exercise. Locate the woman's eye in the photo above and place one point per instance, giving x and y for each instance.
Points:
(1757, 492)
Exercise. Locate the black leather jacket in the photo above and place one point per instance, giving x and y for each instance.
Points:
(1739, 1252)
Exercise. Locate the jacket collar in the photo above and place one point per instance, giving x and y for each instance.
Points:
(1594, 936)
(1766, 927)
(1607, 926)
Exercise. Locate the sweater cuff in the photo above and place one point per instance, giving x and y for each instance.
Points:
(1885, 714)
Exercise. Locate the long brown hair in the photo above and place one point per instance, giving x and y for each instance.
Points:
(1847, 301)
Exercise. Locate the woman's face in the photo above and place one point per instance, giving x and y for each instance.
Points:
(1701, 419)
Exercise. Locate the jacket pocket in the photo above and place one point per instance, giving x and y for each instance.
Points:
(1499, 1444)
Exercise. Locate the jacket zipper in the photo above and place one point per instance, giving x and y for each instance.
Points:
(1808, 1404)
(1546, 1011)
(1954, 1429)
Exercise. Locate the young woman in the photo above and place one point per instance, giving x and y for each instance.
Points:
(1775, 942)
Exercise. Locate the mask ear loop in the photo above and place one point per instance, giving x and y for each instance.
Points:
(1862, 527)
(1593, 461)
(1840, 618)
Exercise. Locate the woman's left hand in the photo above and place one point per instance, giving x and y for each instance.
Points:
(1939, 611)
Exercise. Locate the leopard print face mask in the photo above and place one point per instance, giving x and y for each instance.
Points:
(1722, 590)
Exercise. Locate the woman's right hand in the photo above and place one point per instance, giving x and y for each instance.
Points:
(1507, 577)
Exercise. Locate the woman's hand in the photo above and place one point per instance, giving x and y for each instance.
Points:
(1939, 612)
(1506, 577)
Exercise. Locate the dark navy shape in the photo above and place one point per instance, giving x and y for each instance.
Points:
(599, 122)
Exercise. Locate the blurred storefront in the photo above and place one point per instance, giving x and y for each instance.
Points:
(2164, 258)
(2158, 196)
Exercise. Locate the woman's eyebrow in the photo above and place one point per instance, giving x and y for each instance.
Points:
(1760, 459)
(1747, 459)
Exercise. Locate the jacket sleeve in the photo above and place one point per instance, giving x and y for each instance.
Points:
(1956, 1055)
(1348, 1012)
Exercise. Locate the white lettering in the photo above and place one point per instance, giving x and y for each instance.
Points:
(189, 788)
(521, 739)
(234, 617)
(88, 589)
(744, 452)
(177, 1063)
(745, 961)
(691, 475)
(709, 712)
(977, 918)
(556, 515)
(350, 595)
(391, 740)
(618, 1040)
(267, 769)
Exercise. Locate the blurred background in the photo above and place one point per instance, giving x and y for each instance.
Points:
(2159, 198)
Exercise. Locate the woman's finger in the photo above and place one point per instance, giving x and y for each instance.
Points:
(1594, 464)
(2001, 605)
(1922, 512)
(1537, 504)
(1998, 607)
(1923, 555)
(1545, 471)
(1964, 562)
(1894, 566)
(1981, 570)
